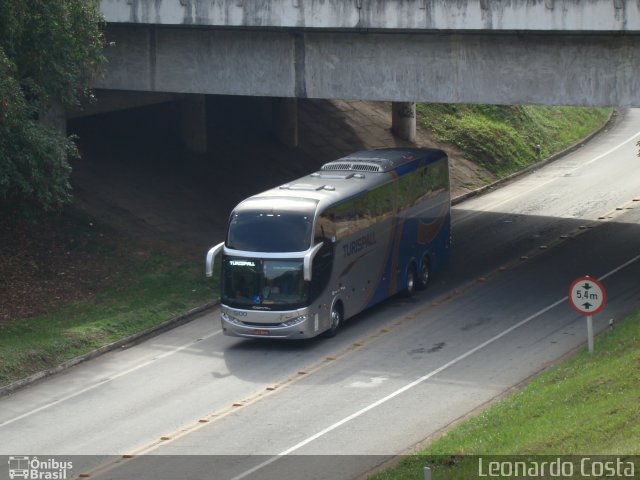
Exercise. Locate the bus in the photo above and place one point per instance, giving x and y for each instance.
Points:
(301, 258)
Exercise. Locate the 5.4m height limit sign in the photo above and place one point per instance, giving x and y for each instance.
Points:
(587, 296)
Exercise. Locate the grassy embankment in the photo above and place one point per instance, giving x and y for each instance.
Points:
(587, 405)
(151, 289)
(505, 139)
(133, 288)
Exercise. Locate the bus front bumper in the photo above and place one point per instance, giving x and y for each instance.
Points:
(293, 324)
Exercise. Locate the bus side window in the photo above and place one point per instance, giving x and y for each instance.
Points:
(325, 229)
(407, 189)
(435, 177)
(342, 216)
(382, 198)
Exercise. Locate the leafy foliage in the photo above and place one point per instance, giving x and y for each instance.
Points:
(49, 52)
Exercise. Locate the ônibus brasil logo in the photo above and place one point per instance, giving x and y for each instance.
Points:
(37, 469)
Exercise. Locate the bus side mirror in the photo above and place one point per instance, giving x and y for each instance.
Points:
(308, 260)
(211, 255)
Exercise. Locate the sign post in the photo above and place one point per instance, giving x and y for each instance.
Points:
(587, 296)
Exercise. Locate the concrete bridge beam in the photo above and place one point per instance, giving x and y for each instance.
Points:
(389, 15)
(506, 68)
(114, 100)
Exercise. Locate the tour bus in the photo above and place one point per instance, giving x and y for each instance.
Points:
(300, 259)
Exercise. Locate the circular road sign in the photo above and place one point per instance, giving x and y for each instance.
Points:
(587, 296)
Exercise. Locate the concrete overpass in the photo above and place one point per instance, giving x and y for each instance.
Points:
(554, 52)
(388, 15)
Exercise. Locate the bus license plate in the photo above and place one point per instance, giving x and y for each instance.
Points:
(261, 332)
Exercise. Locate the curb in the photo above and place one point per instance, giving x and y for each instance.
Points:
(188, 316)
(122, 343)
(479, 191)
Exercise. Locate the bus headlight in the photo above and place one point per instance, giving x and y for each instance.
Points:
(228, 318)
(295, 321)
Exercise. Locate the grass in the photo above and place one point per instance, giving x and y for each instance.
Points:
(587, 405)
(505, 139)
(146, 291)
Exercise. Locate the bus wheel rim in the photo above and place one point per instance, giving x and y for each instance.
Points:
(424, 274)
(335, 319)
(410, 281)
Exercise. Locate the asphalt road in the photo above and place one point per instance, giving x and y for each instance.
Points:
(394, 375)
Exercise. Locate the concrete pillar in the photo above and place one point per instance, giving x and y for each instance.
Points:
(193, 122)
(285, 120)
(403, 120)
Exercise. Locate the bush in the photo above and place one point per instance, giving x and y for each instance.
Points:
(49, 53)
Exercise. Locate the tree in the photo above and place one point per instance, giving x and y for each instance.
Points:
(50, 50)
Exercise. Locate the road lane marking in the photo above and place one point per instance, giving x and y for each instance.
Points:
(101, 470)
(420, 380)
(524, 192)
(617, 269)
(107, 380)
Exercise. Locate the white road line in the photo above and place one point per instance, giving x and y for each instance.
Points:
(524, 192)
(419, 380)
(617, 269)
(107, 380)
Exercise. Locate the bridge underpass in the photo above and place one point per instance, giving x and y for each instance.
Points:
(548, 69)
(548, 52)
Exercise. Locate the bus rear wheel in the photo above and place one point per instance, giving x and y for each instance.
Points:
(410, 283)
(425, 274)
(336, 318)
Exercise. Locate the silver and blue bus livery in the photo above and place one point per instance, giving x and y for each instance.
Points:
(300, 259)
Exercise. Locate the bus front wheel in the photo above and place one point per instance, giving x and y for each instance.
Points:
(336, 318)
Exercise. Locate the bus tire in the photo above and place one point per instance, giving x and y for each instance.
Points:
(425, 274)
(410, 281)
(337, 318)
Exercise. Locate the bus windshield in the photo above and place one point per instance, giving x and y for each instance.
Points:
(274, 284)
(263, 231)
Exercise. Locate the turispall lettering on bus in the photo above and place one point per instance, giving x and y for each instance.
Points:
(359, 244)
